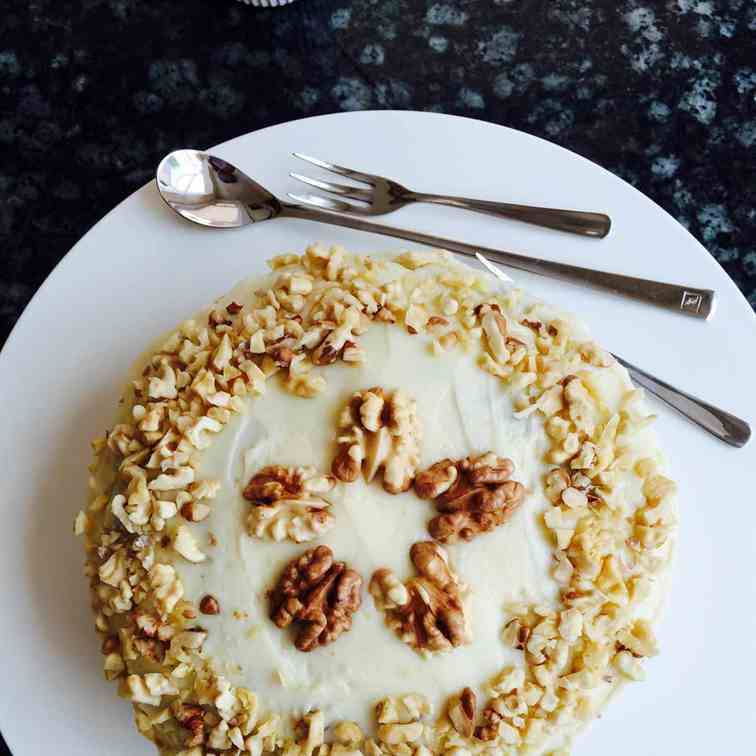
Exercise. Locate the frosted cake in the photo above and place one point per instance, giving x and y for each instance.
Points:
(376, 505)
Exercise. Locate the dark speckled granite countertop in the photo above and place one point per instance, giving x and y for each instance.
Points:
(94, 92)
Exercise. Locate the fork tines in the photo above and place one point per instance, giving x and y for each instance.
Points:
(346, 191)
(340, 169)
(341, 190)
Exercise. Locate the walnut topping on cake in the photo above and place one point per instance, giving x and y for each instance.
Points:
(609, 539)
(209, 605)
(496, 332)
(191, 718)
(379, 431)
(399, 721)
(474, 495)
(461, 712)
(340, 336)
(186, 544)
(427, 611)
(287, 503)
(319, 594)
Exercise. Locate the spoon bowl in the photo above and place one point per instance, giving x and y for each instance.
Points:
(207, 190)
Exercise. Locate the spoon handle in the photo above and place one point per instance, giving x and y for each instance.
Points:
(726, 427)
(694, 302)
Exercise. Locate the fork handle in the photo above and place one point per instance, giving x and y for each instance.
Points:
(685, 300)
(596, 225)
(726, 427)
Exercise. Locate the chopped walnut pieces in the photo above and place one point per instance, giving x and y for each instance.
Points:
(475, 495)
(542, 329)
(416, 319)
(353, 353)
(628, 666)
(281, 355)
(400, 734)
(302, 380)
(191, 718)
(378, 431)
(167, 587)
(494, 725)
(314, 726)
(113, 666)
(385, 315)
(186, 544)
(516, 634)
(150, 688)
(483, 307)
(461, 713)
(402, 709)
(420, 258)
(195, 511)
(348, 733)
(282, 261)
(340, 336)
(150, 625)
(111, 644)
(399, 722)
(209, 605)
(149, 649)
(164, 385)
(320, 594)
(572, 493)
(638, 639)
(81, 523)
(287, 503)
(556, 481)
(495, 328)
(427, 611)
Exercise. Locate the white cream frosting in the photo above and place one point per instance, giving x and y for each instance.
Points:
(463, 410)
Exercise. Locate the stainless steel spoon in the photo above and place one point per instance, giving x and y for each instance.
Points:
(209, 191)
(726, 427)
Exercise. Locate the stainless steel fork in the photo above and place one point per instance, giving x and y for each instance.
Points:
(385, 195)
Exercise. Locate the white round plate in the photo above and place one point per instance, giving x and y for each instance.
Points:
(141, 270)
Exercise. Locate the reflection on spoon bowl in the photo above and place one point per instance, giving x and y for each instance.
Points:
(209, 191)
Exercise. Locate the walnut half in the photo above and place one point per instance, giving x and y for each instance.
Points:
(474, 495)
(427, 611)
(320, 594)
(287, 503)
(379, 430)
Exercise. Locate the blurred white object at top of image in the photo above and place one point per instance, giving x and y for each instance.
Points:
(266, 3)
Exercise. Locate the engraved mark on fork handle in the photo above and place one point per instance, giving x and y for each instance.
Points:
(691, 301)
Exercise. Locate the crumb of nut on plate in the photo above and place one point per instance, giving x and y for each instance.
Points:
(376, 505)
